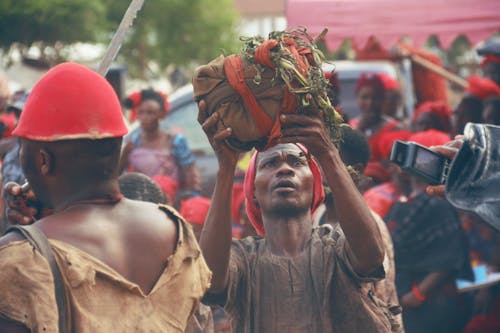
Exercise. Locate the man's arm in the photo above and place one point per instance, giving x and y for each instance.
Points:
(427, 286)
(216, 236)
(365, 247)
(364, 242)
(215, 241)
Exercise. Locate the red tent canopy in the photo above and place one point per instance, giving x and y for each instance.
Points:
(389, 20)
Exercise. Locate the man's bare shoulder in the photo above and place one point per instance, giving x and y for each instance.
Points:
(149, 217)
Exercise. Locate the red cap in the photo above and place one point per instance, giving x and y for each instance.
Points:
(195, 209)
(389, 82)
(71, 102)
(482, 87)
(167, 184)
(430, 138)
(386, 140)
(440, 109)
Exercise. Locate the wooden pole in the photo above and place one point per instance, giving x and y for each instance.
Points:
(439, 70)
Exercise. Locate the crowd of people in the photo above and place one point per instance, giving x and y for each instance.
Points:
(313, 237)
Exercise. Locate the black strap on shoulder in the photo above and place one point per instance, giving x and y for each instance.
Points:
(38, 239)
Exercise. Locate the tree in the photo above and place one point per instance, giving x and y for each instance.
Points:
(178, 32)
(49, 23)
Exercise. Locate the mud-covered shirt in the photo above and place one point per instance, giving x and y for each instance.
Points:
(316, 291)
(102, 300)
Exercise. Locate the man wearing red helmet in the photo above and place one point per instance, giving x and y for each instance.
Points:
(151, 277)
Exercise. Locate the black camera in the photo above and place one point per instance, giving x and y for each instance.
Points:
(421, 162)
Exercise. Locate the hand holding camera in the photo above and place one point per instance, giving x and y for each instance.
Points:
(424, 163)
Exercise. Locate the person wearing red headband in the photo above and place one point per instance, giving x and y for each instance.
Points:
(295, 278)
(135, 99)
(153, 151)
(112, 252)
(432, 115)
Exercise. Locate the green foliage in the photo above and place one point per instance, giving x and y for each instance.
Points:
(177, 32)
(49, 21)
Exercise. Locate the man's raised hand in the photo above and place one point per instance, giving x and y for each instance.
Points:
(226, 155)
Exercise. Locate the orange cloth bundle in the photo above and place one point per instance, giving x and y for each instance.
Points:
(271, 77)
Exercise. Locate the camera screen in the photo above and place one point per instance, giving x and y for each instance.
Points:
(428, 163)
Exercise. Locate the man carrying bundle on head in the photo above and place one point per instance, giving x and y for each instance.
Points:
(107, 257)
(295, 278)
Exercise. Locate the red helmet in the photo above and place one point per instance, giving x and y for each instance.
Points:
(71, 102)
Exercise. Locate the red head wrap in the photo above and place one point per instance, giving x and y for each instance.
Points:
(372, 80)
(254, 213)
(195, 209)
(430, 138)
(389, 82)
(71, 102)
(167, 184)
(482, 88)
(438, 108)
(490, 58)
(135, 99)
(386, 140)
